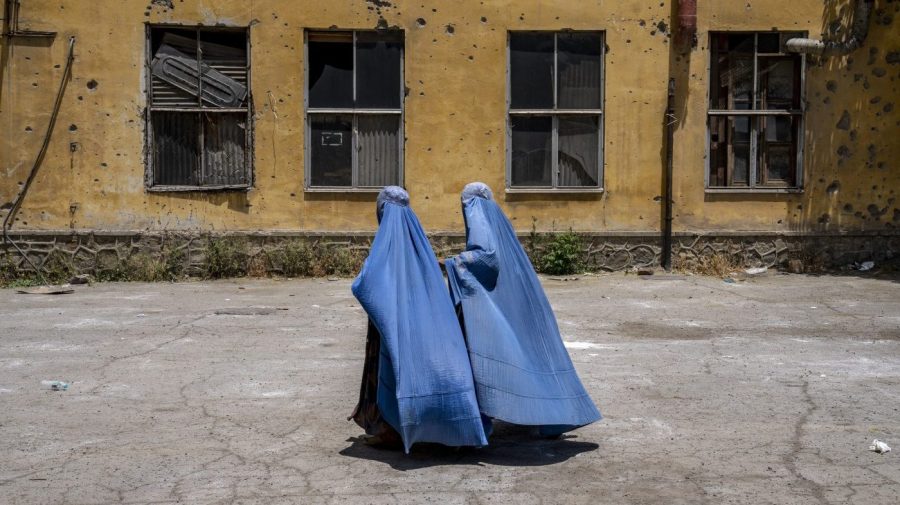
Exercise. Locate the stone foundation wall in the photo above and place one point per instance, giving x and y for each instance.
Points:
(97, 252)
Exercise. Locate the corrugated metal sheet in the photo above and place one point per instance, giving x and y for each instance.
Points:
(176, 151)
(379, 150)
(225, 138)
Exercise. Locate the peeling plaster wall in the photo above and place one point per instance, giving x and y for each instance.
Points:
(455, 69)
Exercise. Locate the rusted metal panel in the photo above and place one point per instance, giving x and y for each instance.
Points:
(379, 150)
(176, 148)
(224, 159)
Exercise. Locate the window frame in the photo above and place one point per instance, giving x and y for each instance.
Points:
(249, 153)
(355, 113)
(756, 115)
(555, 113)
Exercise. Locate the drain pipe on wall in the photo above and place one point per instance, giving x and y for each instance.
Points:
(670, 121)
(17, 203)
(858, 32)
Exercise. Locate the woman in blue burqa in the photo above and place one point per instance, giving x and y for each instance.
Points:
(417, 382)
(523, 374)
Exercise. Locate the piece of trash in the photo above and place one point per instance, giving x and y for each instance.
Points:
(63, 289)
(563, 279)
(866, 265)
(728, 280)
(80, 279)
(332, 279)
(644, 271)
(141, 315)
(755, 271)
(62, 386)
(879, 447)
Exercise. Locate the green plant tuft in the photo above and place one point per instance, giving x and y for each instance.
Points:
(562, 254)
(226, 257)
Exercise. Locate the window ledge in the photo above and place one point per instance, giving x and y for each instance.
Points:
(342, 190)
(750, 191)
(182, 189)
(552, 191)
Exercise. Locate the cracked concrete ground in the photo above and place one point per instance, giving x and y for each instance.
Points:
(764, 391)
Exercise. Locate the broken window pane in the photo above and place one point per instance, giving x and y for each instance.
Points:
(531, 70)
(579, 151)
(176, 148)
(740, 145)
(777, 150)
(331, 70)
(226, 53)
(170, 50)
(177, 64)
(732, 71)
(579, 61)
(224, 142)
(532, 151)
(331, 150)
(729, 150)
(779, 166)
(779, 83)
(768, 43)
(378, 59)
(379, 149)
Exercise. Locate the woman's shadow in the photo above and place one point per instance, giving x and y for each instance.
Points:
(510, 445)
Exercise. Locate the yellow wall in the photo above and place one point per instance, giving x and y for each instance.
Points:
(455, 117)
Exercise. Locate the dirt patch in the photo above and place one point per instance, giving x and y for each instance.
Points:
(663, 332)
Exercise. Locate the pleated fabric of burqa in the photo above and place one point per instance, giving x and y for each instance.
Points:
(425, 389)
(523, 373)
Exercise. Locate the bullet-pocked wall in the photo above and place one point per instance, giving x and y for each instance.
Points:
(455, 74)
(851, 175)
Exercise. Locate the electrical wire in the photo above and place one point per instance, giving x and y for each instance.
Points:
(17, 203)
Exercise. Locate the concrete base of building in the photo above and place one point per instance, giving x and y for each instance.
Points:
(95, 252)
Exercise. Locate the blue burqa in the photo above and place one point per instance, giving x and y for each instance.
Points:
(425, 389)
(523, 374)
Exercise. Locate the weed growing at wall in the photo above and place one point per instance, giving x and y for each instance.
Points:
(298, 258)
(717, 264)
(12, 277)
(145, 267)
(294, 258)
(58, 267)
(562, 254)
(226, 257)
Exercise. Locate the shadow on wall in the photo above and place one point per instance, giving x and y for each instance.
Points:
(237, 201)
(851, 173)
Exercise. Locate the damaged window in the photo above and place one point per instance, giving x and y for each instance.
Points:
(755, 112)
(354, 109)
(199, 114)
(555, 110)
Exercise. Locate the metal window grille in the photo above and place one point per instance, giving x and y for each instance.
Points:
(555, 110)
(199, 121)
